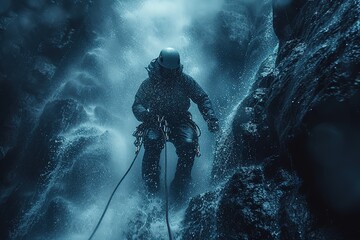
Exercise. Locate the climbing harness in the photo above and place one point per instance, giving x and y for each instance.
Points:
(139, 134)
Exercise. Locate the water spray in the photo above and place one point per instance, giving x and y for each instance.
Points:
(139, 133)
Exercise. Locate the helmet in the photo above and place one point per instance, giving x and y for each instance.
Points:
(169, 58)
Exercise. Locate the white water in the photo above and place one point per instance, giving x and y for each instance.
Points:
(148, 26)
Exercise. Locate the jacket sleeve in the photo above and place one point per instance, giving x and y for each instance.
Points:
(140, 106)
(199, 96)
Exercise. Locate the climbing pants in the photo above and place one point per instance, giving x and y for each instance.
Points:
(185, 140)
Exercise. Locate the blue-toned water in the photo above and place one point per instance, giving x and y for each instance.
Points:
(88, 158)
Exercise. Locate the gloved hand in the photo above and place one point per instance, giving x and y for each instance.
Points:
(213, 125)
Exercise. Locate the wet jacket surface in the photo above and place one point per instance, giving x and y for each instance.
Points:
(170, 96)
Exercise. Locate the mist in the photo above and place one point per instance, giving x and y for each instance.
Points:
(281, 75)
(140, 32)
(220, 52)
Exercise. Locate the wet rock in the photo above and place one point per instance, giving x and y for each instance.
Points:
(200, 220)
(251, 203)
(240, 36)
(38, 154)
(60, 115)
(37, 159)
(250, 127)
(288, 148)
(84, 88)
(243, 31)
(317, 83)
(39, 40)
(90, 158)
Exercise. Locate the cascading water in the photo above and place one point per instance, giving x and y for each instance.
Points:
(93, 147)
(286, 162)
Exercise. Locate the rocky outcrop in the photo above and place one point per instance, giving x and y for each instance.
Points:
(40, 103)
(39, 40)
(200, 217)
(235, 42)
(31, 182)
(250, 127)
(243, 32)
(296, 123)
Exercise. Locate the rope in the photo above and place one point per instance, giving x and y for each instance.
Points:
(113, 193)
(164, 130)
(166, 191)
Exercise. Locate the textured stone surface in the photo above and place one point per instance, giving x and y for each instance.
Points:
(236, 40)
(39, 41)
(286, 167)
(47, 159)
(249, 128)
(200, 217)
(288, 148)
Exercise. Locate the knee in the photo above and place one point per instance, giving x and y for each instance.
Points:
(188, 147)
(188, 144)
(153, 140)
(190, 141)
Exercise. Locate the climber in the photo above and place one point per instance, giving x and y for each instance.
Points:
(167, 93)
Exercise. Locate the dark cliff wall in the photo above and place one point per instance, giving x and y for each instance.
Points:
(291, 144)
(236, 41)
(39, 41)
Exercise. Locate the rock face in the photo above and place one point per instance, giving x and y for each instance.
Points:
(244, 32)
(39, 41)
(290, 146)
(33, 47)
(47, 159)
(287, 167)
(250, 127)
(200, 217)
(240, 35)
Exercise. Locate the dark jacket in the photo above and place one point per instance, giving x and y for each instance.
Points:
(170, 97)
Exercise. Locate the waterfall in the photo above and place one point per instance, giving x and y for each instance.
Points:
(93, 144)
